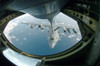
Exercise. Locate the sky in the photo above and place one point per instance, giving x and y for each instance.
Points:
(34, 41)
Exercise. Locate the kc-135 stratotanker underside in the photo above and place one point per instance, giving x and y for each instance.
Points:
(57, 28)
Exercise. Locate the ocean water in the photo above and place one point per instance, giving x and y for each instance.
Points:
(25, 33)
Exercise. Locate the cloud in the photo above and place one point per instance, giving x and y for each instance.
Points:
(78, 39)
(24, 38)
(22, 31)
(8, 30)
(72, 35)
(13, 37)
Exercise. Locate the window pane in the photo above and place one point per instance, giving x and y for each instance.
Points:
(35, 36)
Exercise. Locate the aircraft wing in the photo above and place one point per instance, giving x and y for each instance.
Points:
(67, 28)
(61, 25)
(34, 24)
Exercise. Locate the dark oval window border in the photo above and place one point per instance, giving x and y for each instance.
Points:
(61, 55)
